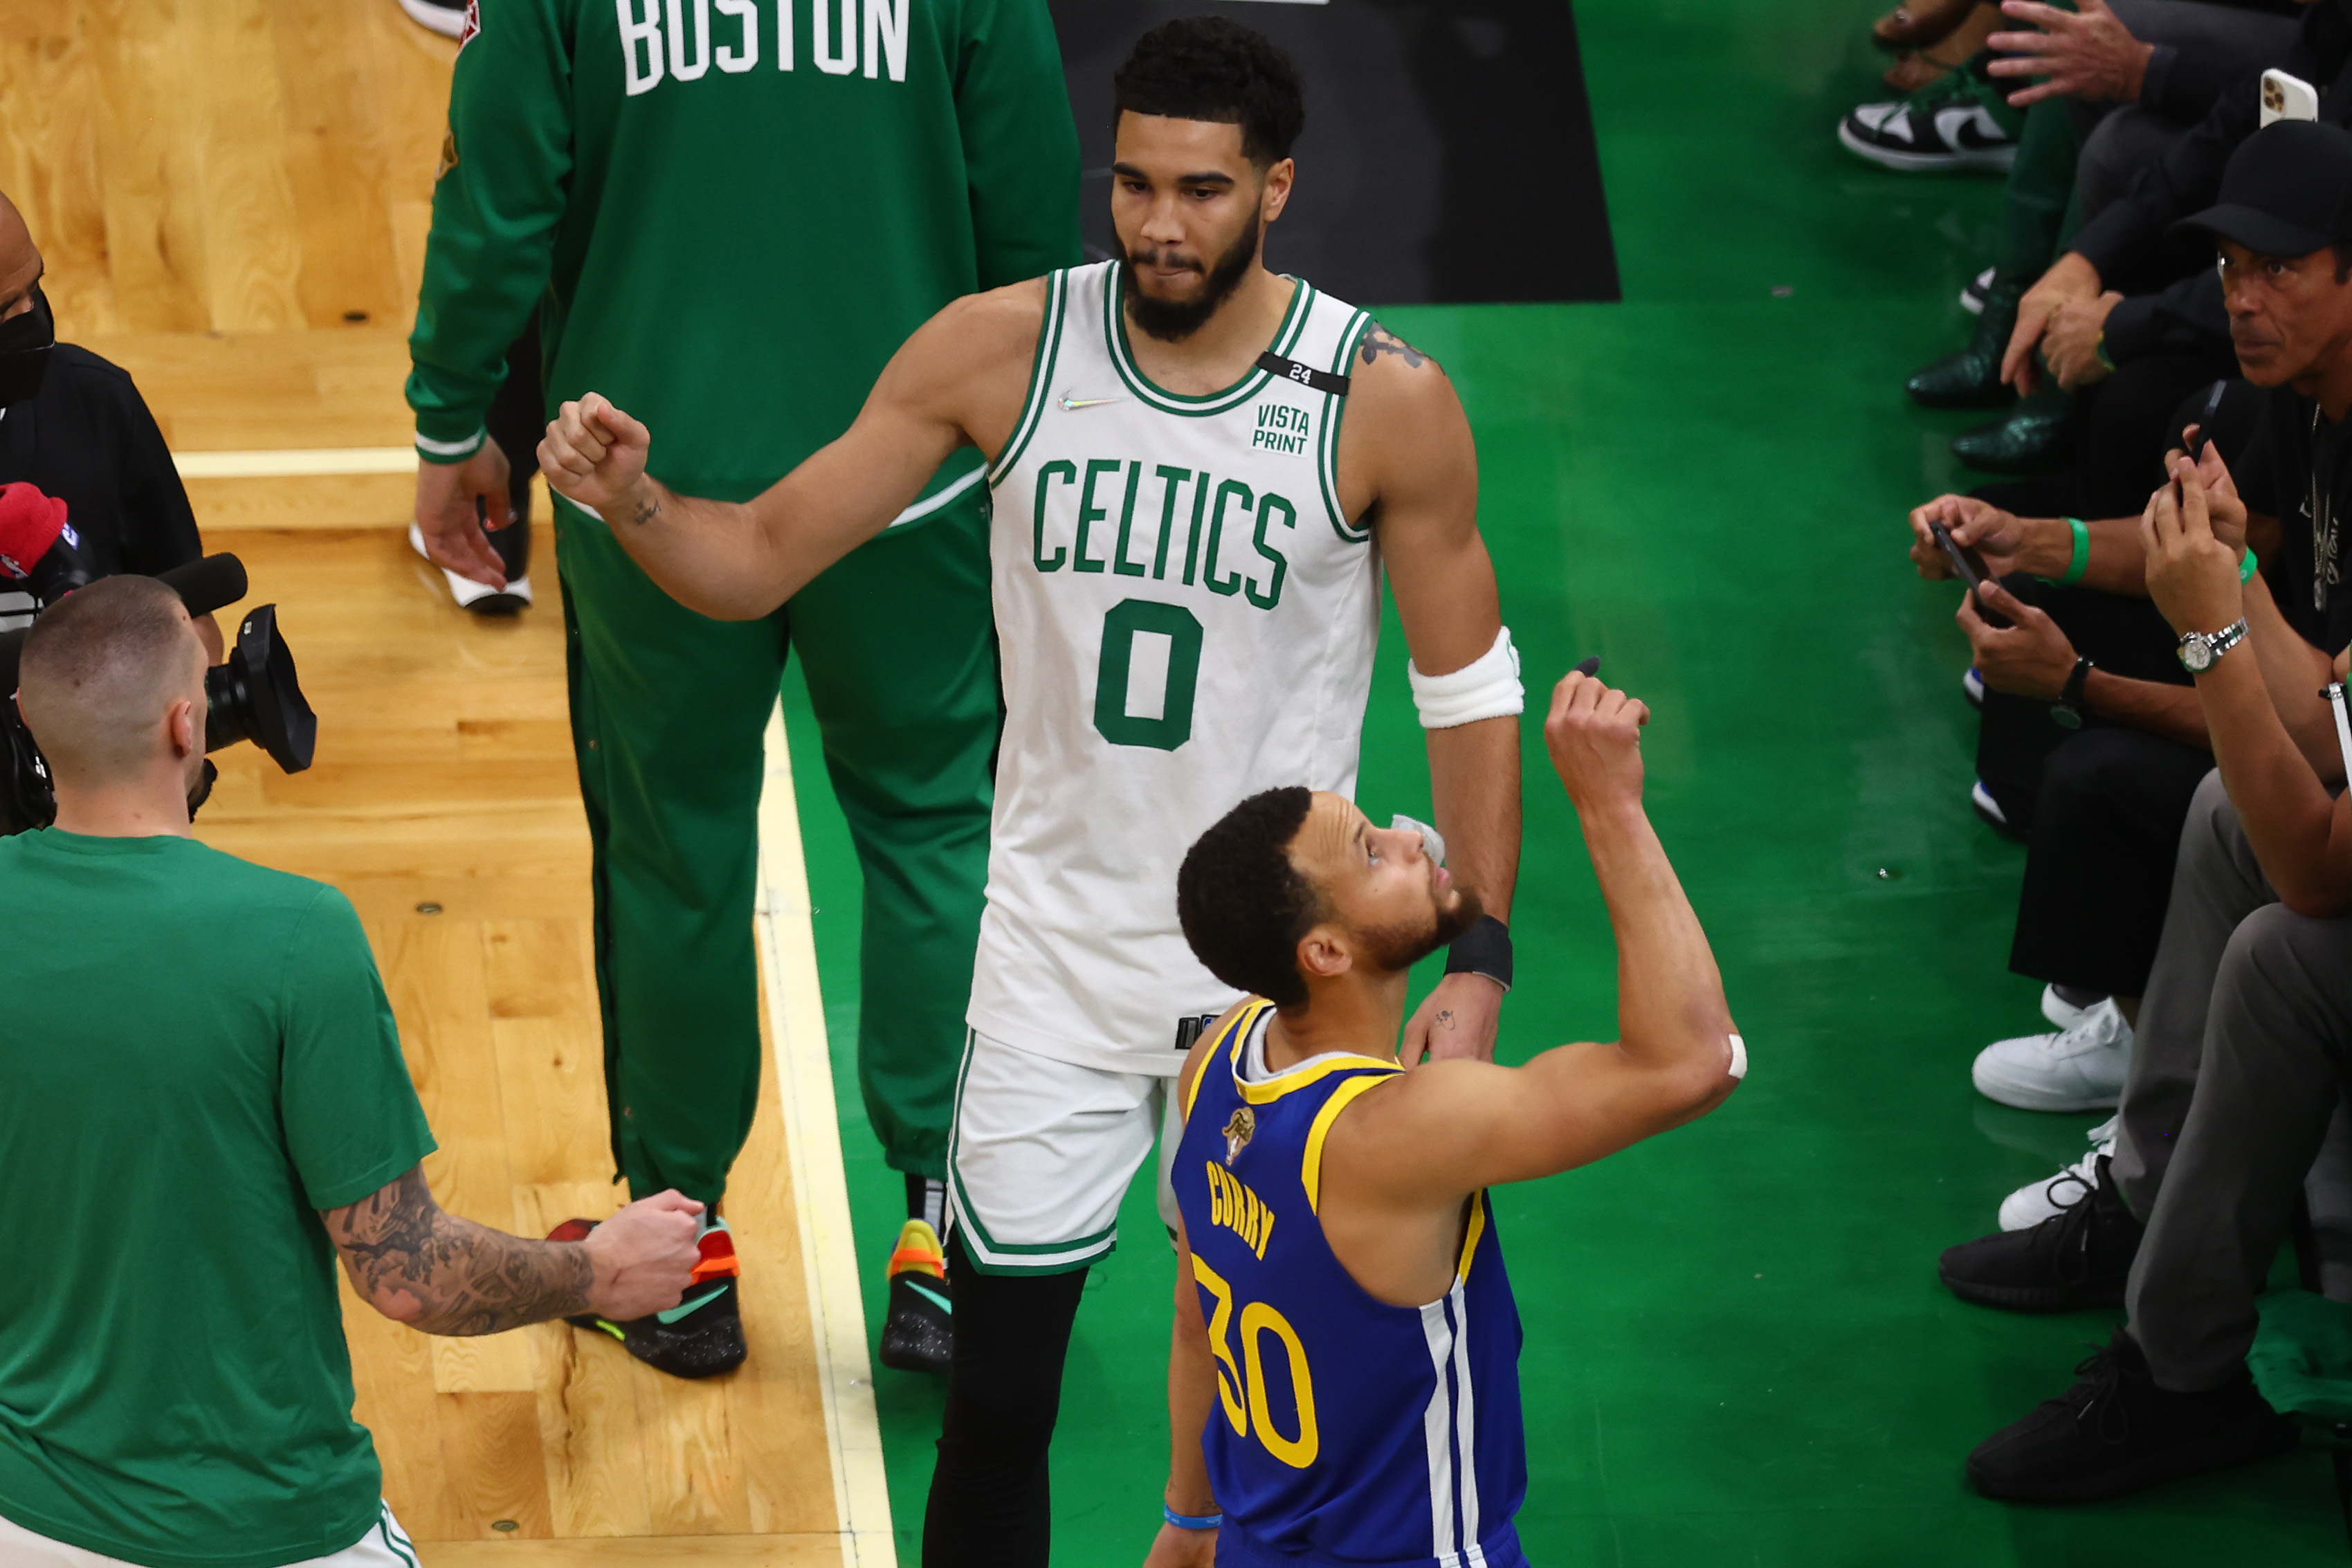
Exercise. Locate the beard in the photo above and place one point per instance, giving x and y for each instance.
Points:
(1172, 321)
(1396, 947)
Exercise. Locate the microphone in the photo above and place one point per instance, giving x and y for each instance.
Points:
(214, 583)
(39, 548)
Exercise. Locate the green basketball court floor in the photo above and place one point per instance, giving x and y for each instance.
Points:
(1737, 1351)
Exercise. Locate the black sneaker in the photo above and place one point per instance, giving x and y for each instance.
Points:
(2078, 1257)
(918, 1335)
(702, 1336)
(2116, 1432)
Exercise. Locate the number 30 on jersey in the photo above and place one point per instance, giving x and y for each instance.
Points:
(1242, 1386)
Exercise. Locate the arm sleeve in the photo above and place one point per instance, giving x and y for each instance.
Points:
(2186, 318)
(352, 1121)
(2132, 227)
(506, 171)
(1020, 144)
(161, 527)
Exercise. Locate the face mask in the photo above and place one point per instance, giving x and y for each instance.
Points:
(26, 340)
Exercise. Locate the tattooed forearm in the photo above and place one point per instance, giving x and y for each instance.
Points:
(1380, 340)
(646, 511)
(444, 1275)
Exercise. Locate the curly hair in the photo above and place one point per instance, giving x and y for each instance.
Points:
(1206, 67)
(1242, 905)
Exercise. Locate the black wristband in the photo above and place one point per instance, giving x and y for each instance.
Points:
(1485, 949)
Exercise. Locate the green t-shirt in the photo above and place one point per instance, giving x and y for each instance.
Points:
(196, 1055)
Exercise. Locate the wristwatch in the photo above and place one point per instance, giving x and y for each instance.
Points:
(2199, 650)
(2067, 712)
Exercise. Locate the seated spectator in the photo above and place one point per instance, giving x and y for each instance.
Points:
(2128, 245)
(205, 1087)
(2120, 84)
(74, 425)
(2246, 1030)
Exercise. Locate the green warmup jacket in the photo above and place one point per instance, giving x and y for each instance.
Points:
(730, 212)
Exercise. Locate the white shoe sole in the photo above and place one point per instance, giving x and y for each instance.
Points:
(2038, 1097)
(1992, 159)
(449, 23)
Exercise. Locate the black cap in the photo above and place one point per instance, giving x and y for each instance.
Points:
(2287, 190)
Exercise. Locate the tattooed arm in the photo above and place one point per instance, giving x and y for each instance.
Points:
(442, 1275)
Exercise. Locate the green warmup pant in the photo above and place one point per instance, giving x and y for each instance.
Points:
(2036, 209)
(898, 644)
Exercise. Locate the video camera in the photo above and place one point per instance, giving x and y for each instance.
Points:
(254, 697)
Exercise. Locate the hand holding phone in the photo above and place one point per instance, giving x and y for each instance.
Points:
(1969, 567)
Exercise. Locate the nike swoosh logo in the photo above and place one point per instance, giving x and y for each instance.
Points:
(1071, 405)
(691, 1304)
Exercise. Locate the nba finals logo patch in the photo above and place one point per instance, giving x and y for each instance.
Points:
(473, 22)
(1238, 1133)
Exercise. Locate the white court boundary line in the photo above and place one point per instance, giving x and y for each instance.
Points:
(861, 1495)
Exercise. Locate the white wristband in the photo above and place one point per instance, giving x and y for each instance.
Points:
(1738, 1057)
(1486, 688)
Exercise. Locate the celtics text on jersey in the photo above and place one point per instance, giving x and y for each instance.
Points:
(1186, 617)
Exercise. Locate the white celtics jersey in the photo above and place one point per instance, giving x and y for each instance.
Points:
(1186, 620)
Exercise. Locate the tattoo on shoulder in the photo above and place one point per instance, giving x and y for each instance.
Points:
(450, 1276)
(1380, 340)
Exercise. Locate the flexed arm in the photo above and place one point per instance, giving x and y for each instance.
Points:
(957, 381)
(1423, 467)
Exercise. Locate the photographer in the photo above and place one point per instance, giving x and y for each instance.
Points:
(204, 1086)
(74, 425)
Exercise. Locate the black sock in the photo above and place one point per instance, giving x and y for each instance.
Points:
(992, 1501)
(2076, 996)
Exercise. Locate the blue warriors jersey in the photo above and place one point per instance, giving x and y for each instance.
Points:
(1348, 1431)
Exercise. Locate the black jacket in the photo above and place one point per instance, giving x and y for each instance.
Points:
(86, 438)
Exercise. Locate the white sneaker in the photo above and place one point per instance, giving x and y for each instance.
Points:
(2060, 1011)
(2037, 1201)
(479, 597)
(2081, 1068)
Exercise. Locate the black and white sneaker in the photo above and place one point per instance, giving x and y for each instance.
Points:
(446, 17)
(1972, 296)
(1958, 121)
(2116, 1432)
(480, 597)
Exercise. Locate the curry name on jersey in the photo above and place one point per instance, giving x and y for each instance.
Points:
(1186, 617)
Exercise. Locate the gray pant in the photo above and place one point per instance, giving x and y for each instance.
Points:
(2119, 142)
(2243, 1045)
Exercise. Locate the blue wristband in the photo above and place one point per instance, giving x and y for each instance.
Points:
(1189, 1520)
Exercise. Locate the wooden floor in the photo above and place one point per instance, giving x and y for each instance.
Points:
(232, 198)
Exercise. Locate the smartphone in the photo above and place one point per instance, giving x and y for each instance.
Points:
(1969, 567)
(2287, 97)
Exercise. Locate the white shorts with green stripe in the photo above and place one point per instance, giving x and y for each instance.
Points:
(1044, 1150)
(385, 1545)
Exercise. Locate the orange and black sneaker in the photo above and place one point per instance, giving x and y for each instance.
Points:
(702, 1336)
(918, 1335)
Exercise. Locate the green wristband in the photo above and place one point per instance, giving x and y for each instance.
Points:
(2246, 569)
(2080, 561)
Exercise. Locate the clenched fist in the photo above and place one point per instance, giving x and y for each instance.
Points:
(595, 454)
(1595, 735)
(644, 1256)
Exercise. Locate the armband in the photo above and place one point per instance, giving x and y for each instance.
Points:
(1485, 949)
(1191, 1521)
(1486, 688)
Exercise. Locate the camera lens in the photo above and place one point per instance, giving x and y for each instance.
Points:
(255, 697)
